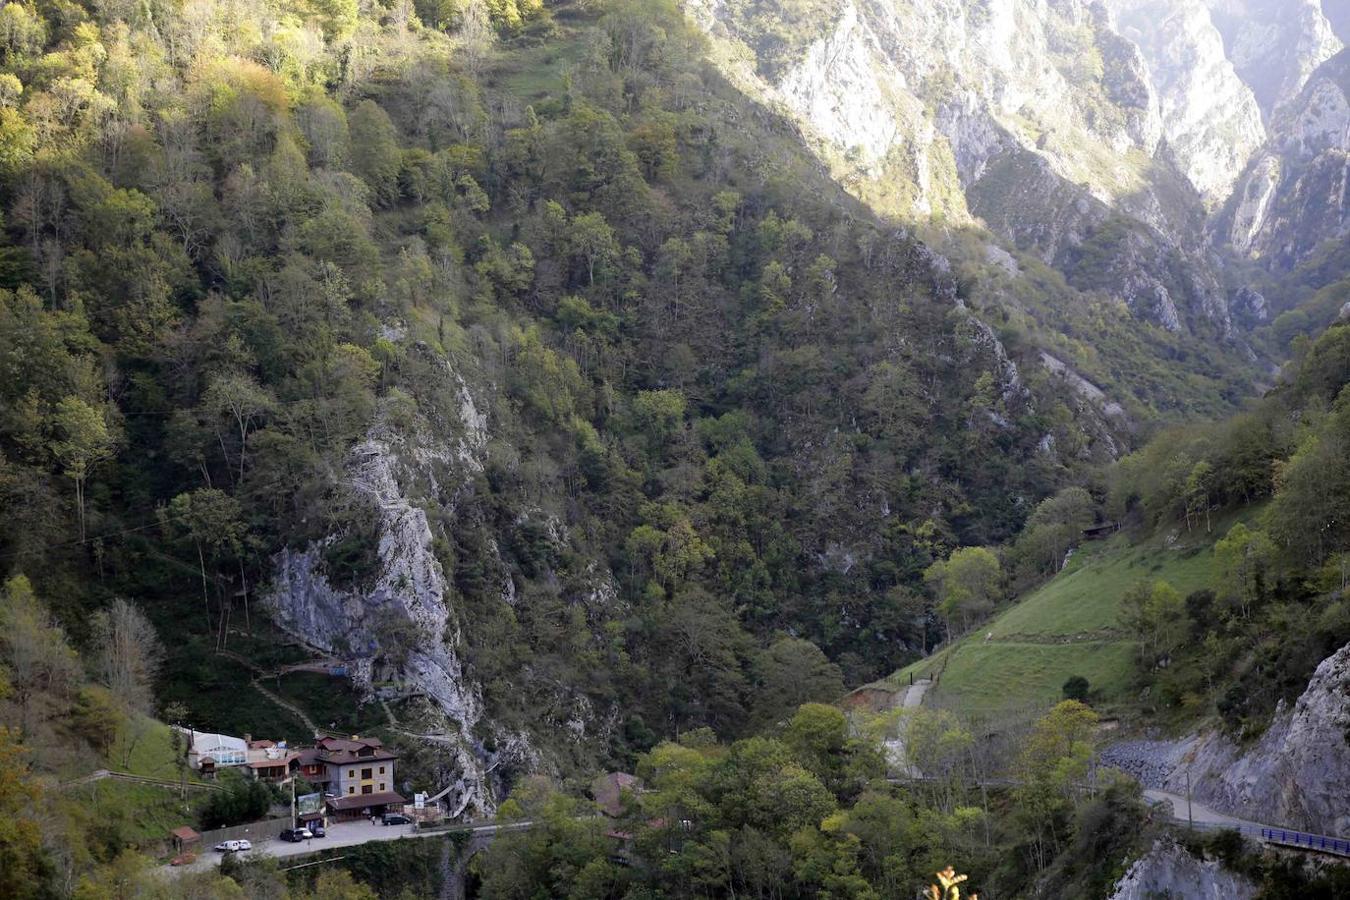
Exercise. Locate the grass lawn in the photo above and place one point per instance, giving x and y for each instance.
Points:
(330, 702)
(1085, 597)
(996, 675)
(144, 746)
(141, 813)
(1068, 626)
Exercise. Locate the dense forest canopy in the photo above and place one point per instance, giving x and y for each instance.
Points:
(233, 252)
(728, 443)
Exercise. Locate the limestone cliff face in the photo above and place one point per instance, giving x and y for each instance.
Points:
(931, 91)
(1275, 45)
(1210, 116)
(1292, 198)
(1037, 118)
(1131, 144)
(1167, 870)
(1299, 773)
(394, 471)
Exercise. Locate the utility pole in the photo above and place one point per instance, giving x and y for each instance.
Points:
(1190, 820)
(293, 812)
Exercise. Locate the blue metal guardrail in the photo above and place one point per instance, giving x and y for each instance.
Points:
(1282, 836)
(1308, 841)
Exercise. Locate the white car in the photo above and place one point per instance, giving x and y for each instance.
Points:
(233, 846)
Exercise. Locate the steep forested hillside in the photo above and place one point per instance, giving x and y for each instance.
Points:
(506, 352)
(235, 253)
(711, 415)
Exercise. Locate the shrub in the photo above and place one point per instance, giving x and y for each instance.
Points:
(1076, 688)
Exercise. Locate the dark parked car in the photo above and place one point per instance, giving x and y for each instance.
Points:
(296, 835)
(395, 819)
(317, 830)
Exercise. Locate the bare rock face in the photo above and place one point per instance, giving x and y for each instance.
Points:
(1296, 776)
(1275, 45)
(1038, 119)
(1167, 870)
(1210, 116)
(408, 594)
(1292, 199)
(1299, 773)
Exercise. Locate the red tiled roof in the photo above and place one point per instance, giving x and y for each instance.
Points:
(356, 743)
(357, 801)
(279, 762)
(184, 833)
(345, 752)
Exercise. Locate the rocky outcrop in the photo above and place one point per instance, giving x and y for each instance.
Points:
(402, 624)
(1168, 870)
(1209, 115)
(1275, 45)
(1039, 120)
(1297, 775)
(1292, 199)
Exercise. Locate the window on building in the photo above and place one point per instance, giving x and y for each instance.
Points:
(382, 787)
(351, 790)
(381, 770)
(365, 774)
(367, 789)
(351, 773)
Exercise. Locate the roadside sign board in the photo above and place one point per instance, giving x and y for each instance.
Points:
(419, 801)
(309, 805)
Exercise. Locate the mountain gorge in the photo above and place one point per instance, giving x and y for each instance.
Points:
(559, 387)
(529, 389)
(1136, 159)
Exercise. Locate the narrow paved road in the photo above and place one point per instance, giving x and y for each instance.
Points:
(1201, 815)
(343, 834)
(895, 748)
(914, 693)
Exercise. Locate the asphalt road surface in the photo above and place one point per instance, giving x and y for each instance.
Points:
(1201, 815)
(343, 834)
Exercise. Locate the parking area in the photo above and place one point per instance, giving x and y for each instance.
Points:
(342, 834)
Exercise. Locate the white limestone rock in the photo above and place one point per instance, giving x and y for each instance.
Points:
(409, 584)
(1296, 776)
(1293, 198)
(1210, 117)
(1036, 118)
(1168, 870)
(1256, 195)
(1275, 45)
(1299, 772)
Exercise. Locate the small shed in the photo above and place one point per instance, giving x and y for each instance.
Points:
(1098, 532)
(184, 838)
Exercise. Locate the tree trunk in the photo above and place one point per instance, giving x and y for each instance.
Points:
(79, 502)
(243, 585)
(206, 598)
(243, 442)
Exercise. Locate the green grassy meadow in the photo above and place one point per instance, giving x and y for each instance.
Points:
(1068, 626)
